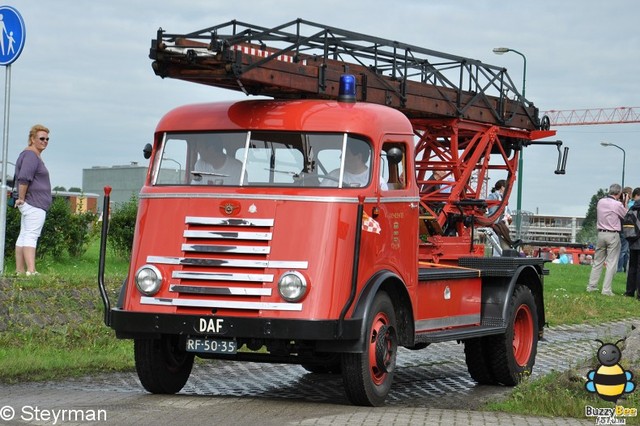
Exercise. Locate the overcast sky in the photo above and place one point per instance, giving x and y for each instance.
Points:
(85, 73)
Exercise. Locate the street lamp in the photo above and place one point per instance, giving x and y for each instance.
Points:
(4, 173)
(175, 161)
(501, 51)
(624, 157)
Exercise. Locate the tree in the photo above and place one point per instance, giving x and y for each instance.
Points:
(75, 189)
(59, 188)
(589, 231)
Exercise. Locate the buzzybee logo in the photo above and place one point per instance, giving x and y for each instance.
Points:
(609, 381)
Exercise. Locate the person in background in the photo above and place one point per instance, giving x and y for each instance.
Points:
(623, 259)
(501, 225)
(633, 273)
(610, 211)
(564, 258)
(436, 175)
(34, 198)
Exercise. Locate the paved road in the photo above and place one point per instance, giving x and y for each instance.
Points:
(431, 386)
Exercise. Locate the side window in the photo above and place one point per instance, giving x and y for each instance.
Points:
(173, 165)
(393, 166)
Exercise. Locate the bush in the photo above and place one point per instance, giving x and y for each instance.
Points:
(52, 239)
(122, 227)
(83, 229)
(63, 232)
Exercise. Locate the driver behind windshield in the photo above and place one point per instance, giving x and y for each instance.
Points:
(218, 168)
(356, 171)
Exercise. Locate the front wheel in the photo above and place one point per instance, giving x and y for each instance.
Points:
(367, 376)
(163, 366)
(514, 353)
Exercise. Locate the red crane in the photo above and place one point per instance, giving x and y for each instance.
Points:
(578, 117)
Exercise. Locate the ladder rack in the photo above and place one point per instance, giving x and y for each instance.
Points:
(302, 59)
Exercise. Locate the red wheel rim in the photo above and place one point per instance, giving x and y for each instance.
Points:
(522, 335)
(378, 375)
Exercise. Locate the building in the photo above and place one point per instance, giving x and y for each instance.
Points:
(125, 181)
(80, 202)
(559, 229)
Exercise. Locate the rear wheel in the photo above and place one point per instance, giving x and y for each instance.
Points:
(514, 353)
(478, 358)
(368, 376)
(163, 367)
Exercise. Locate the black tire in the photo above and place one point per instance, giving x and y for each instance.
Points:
(478, 359)
(514, 353)
(163, 367)
(367, 376)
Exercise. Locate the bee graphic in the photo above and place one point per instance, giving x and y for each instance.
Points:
(610, 380)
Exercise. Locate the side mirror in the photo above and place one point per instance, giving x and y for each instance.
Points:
(394, 155)
(146, 151)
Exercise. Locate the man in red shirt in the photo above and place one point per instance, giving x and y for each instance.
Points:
(610, 211)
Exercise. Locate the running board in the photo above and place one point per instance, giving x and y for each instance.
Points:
(461, 333)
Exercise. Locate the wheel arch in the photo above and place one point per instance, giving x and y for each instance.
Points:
(526, 275)
(393, 285)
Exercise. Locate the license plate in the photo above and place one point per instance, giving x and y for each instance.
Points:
(212, 346)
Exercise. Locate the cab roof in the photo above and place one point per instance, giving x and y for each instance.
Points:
(287, 115)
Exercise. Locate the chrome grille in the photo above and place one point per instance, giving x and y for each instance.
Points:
(224, 262)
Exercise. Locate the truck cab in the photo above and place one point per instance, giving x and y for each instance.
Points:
(279, 252)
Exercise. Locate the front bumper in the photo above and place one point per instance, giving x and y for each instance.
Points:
(130, 325)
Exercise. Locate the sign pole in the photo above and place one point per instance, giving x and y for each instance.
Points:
(5, 153)
(12, 37)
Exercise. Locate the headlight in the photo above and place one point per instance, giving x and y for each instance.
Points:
(148, 280)
(292, 286)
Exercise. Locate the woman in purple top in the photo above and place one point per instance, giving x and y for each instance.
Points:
(34, 198)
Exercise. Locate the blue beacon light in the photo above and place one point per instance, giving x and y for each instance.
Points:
(347, 91)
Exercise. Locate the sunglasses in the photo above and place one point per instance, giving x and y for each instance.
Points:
(44, 139)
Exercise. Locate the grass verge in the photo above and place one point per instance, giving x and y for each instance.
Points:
(567, 301)
(51, 325)
(559, 394)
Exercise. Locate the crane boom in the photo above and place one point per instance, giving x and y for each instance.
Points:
(579, 117)
(302, 59)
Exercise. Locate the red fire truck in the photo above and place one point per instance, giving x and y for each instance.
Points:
(307, 226)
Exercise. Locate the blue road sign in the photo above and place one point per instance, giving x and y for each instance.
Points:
(12, 35)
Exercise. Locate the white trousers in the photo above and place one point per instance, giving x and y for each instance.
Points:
(31, 224)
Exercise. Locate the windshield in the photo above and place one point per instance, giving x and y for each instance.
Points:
(263, 159)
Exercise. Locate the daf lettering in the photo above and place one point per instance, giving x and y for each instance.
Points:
(210, 325)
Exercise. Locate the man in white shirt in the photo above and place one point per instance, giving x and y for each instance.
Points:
(356, 173)
(217, 167)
